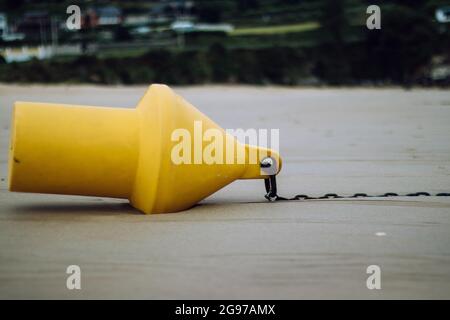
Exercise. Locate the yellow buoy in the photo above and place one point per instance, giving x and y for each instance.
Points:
(127, 153)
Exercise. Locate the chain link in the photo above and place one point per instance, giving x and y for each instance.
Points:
(271, 188)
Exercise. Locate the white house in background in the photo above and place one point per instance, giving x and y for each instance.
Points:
(214, 27)
(182, 26)
(3, 24)
(136, 19)
(102, 16)
(188, 26)
(26, 53)
(109, 15)
(5, 35)
(443, 14)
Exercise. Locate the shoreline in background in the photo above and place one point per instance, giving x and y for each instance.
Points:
(4, 85)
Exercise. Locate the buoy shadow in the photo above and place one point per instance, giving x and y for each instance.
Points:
(85, 208)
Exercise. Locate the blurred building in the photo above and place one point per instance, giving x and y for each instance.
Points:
(183, 26)
(443, 14)
(170, 10)
(136, 19)
(3, 25)
(35, 25)
(102, 16)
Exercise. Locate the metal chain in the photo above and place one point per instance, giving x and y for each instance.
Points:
(271, 188)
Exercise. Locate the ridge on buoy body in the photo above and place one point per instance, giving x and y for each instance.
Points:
(122, 152)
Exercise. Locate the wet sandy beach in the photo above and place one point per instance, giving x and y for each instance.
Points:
(235, 244)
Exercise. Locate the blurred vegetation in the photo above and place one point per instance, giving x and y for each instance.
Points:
(288, 42)
(290, 28)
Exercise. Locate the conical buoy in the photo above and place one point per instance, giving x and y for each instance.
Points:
(135, 154)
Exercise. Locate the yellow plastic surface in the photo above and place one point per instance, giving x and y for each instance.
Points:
(116, 152)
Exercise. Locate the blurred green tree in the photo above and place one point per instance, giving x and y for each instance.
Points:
(404, 46)
(214, 11)
(333, 63)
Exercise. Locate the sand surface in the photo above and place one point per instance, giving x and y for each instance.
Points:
(235, 244)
